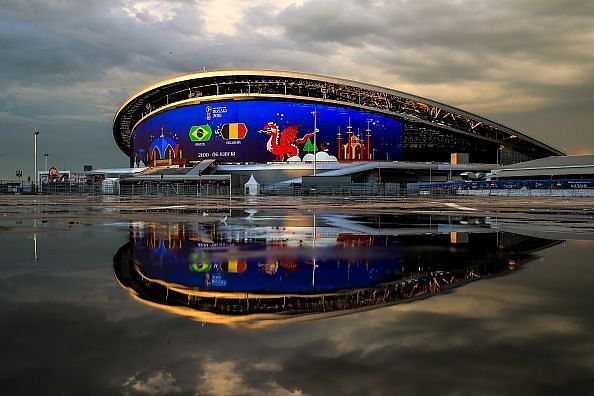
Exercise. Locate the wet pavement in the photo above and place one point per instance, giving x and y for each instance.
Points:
(217, 300)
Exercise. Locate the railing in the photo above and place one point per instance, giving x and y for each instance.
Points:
(529, 192)
(172, 189)
(350, 190)
(353, 189)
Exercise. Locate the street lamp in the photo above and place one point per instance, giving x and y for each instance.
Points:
(46, 155)
(500, 147)
(430, 178)
(497, 159)
(379, 168)
(315, 115)
(35, 133)
(450, 171)
(314, 259)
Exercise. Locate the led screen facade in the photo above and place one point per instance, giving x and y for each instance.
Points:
(260, 266)
(265, 131)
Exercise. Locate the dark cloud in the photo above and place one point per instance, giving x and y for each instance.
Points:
(428, 42)
(53, 43)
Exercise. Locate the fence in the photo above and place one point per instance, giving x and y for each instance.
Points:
(172, 189)
(74, 188)
(529, 192)
(14, 187)
(353, 189)
(115, 188)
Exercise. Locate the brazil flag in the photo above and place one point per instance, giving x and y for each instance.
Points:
(200, 133)
(199, 267)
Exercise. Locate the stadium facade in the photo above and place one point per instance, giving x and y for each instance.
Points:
(263, 117)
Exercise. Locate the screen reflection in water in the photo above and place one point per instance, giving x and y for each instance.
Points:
(256, 270)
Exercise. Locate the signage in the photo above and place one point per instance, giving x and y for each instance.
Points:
(265, 131)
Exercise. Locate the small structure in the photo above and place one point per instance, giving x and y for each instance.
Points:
(53, 175)
(251, 187)
(566, 167)
(459, 158)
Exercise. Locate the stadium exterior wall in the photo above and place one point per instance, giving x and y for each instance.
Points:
(259, 116)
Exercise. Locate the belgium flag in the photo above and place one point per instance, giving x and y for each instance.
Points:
(234, 131)
(234, 265)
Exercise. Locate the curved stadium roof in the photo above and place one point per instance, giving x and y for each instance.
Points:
(262, 84)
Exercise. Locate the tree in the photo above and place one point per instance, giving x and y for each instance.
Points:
(309, 147)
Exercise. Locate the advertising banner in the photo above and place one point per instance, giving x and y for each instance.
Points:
(265, 131)
(258, 266)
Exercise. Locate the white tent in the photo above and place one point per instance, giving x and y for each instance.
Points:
(251, 187)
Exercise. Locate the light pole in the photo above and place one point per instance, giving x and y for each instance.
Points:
(46, 155)
(497, 159)
(379, 172)
(314, 266)
(35, 256)
(430, 179)
(35, 133)
(315, 115)
(499, 147)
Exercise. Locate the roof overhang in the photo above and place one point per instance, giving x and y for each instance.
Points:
(129, 110)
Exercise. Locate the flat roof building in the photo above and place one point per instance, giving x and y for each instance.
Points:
(570, 167)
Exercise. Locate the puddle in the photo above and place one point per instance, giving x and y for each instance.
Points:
(311, 264)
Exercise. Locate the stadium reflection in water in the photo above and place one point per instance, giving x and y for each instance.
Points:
(258, 270)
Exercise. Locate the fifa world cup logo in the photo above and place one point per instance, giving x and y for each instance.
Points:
(208, 113)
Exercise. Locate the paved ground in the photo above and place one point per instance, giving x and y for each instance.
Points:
(114, 207)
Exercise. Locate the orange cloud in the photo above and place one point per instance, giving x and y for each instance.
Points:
(583, 150)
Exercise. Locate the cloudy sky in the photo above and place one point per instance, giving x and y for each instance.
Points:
(66, 65)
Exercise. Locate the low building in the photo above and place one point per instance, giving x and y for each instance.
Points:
(571, 167)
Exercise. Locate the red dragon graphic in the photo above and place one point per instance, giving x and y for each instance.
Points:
(284, 144)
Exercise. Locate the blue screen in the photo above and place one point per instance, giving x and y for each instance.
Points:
(262, 266)
(264, 131)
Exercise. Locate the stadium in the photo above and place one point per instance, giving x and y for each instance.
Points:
(281, 126)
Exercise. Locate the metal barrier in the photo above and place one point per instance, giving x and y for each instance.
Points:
(529, 193)
(71, 188)
(355, 189)
(172, 189)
